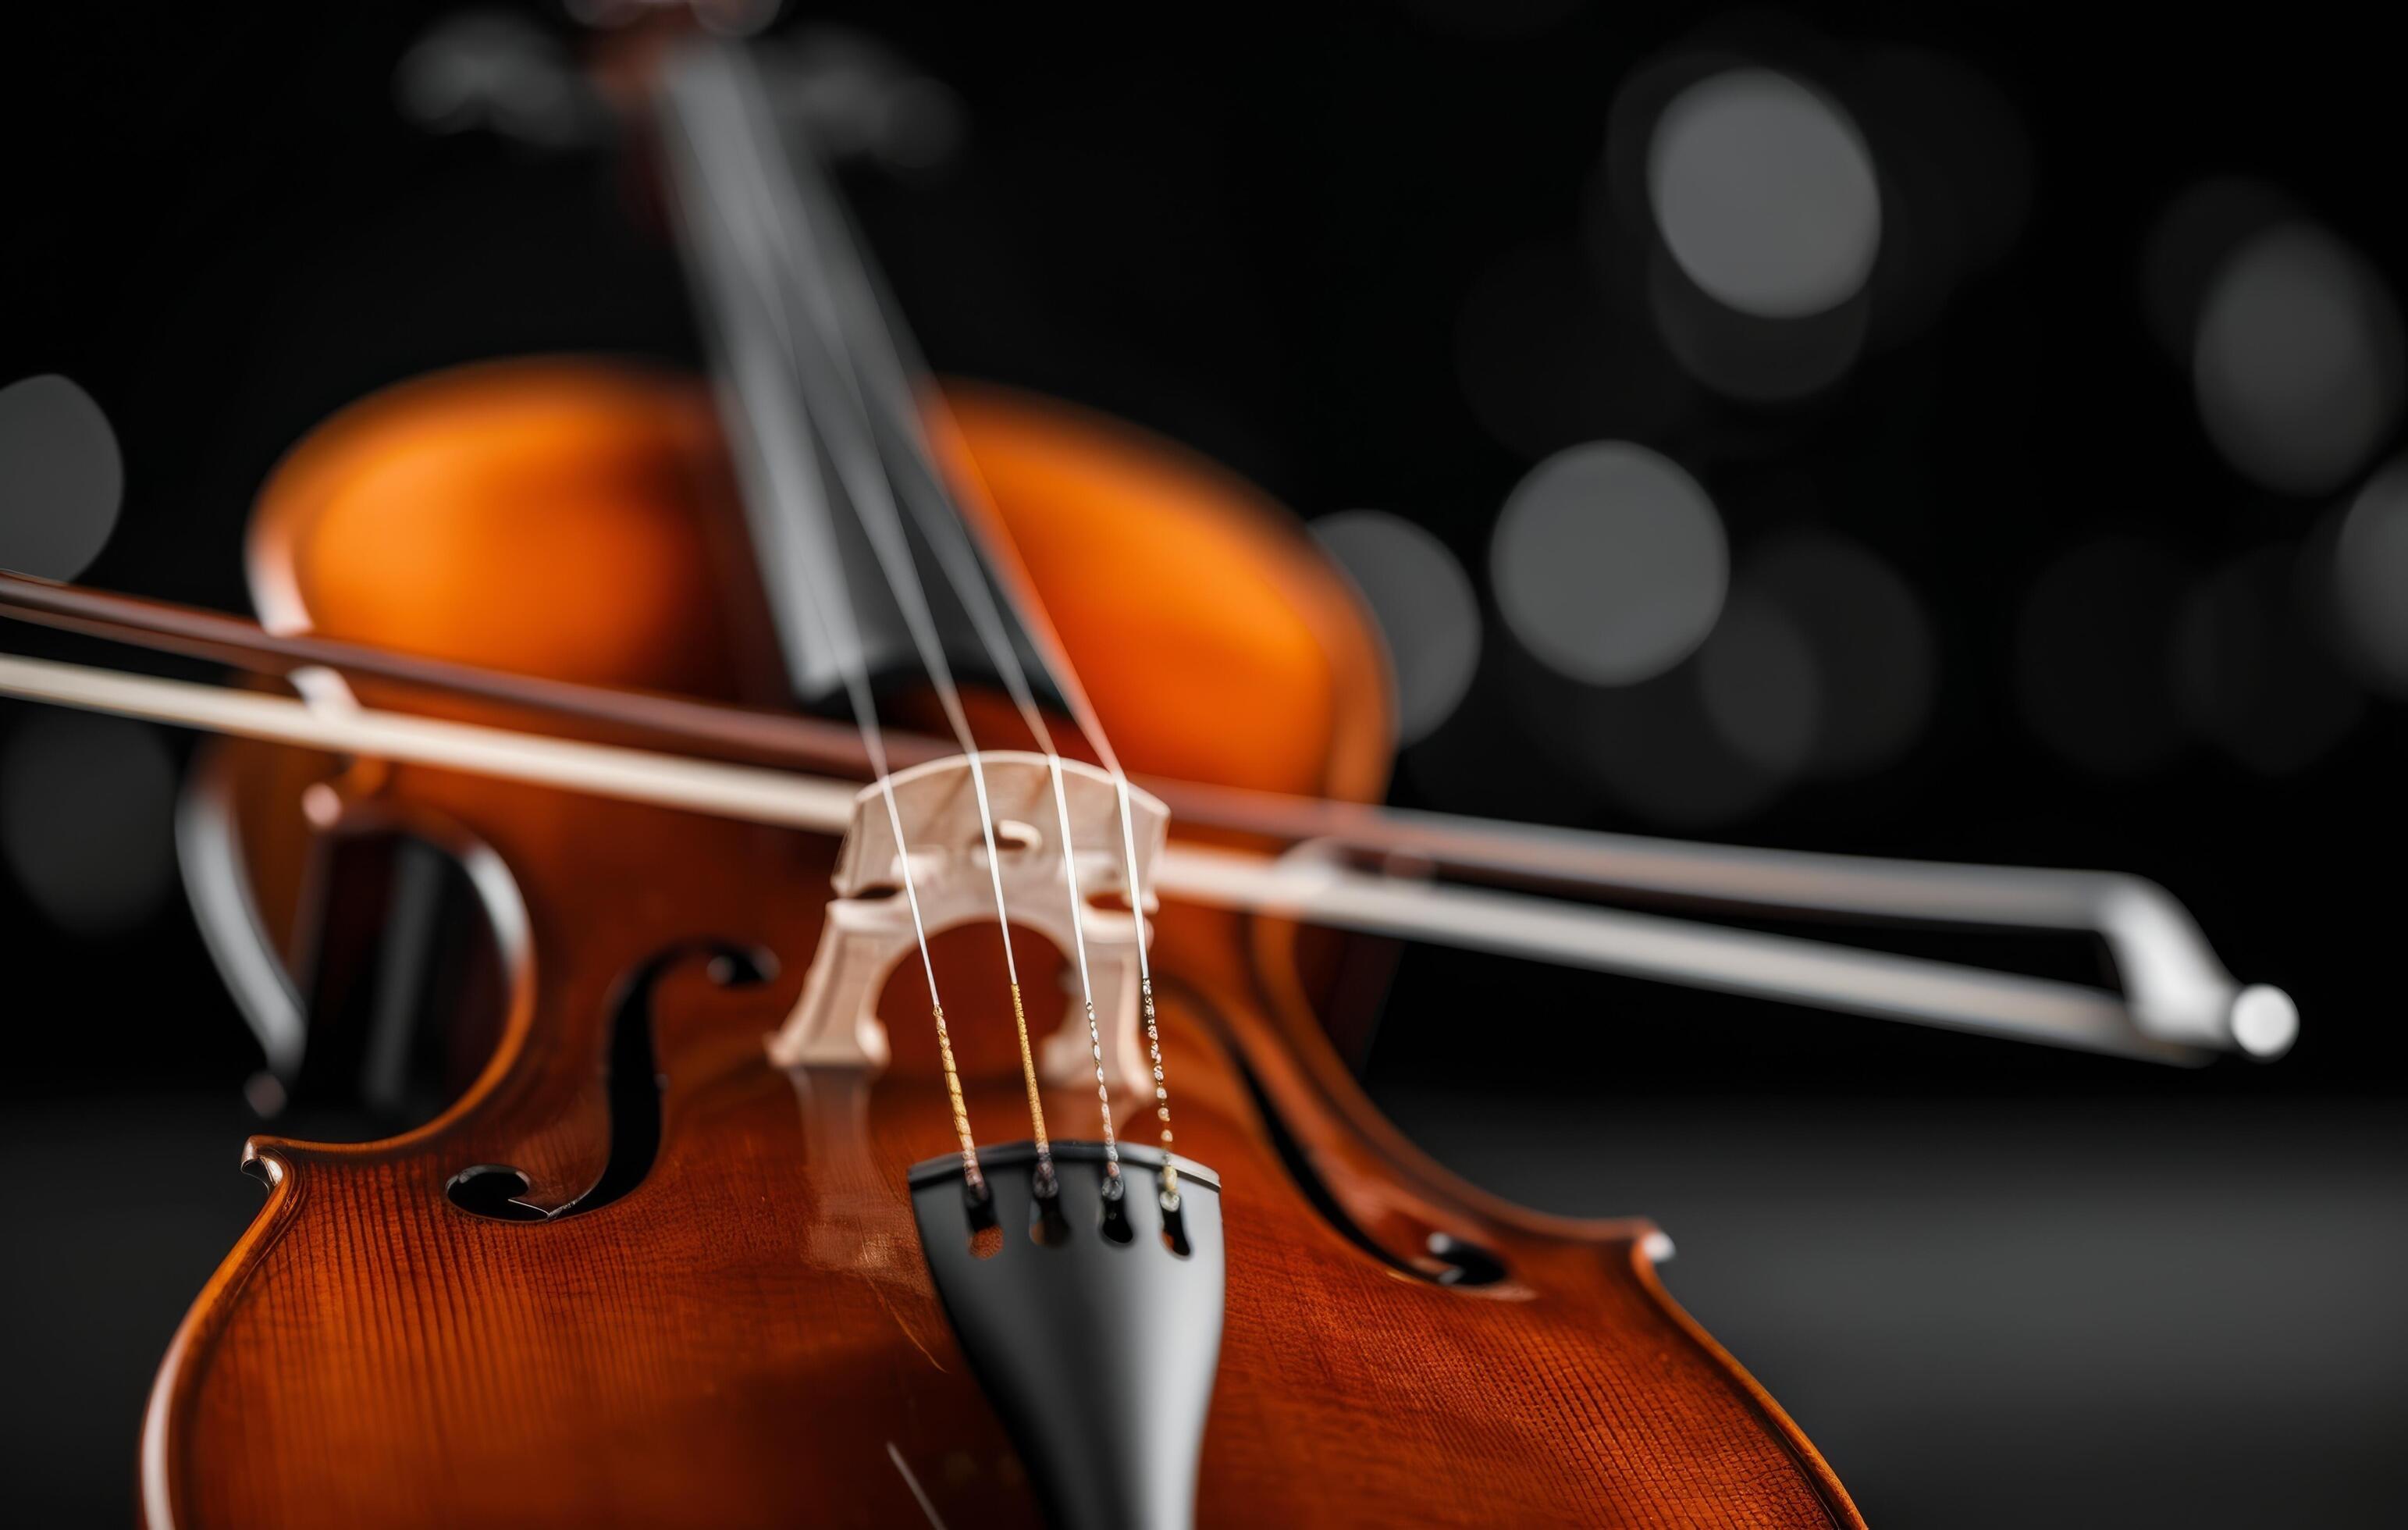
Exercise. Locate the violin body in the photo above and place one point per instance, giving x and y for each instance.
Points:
(706, 1303)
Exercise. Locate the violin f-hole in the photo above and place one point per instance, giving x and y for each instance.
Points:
(634, 1085)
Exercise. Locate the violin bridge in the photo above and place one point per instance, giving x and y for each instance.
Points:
(867, 929)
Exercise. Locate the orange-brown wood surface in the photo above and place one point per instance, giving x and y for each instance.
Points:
(750, 1335)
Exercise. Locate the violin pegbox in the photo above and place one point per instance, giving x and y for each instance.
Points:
(867, 926)
(858, 100)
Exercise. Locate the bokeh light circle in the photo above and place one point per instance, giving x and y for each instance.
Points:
(1765, 194)
(1655, 748)
(1751, 359)
(2252, 673)
(1758, 681)
(1424, 603)
(1871, 641)
(1609, 563)
(2370, 575)
(2298, 361)
(61, 477)
(2190, 245)
(87, 808)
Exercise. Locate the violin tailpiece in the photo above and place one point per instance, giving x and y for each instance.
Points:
(1093, 1323)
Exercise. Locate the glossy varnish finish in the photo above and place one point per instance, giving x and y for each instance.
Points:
(749, 1336)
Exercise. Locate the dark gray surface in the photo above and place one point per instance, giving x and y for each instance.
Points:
(1991, 1313)
(1988, 1313)
(115, 1212)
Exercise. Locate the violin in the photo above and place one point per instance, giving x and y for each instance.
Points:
(842, 876)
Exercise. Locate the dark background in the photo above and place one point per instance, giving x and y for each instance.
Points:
(1996, 1284)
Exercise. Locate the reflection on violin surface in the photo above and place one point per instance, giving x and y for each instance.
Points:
(823, 944)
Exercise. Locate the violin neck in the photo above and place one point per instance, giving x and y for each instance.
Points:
(820, 390)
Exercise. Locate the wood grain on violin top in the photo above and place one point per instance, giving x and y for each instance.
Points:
(749, 1336)
(746, 1334)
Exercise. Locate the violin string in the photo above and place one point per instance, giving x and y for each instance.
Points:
(1003, 555)
(778, 461)
(885, 348)
(853, 451)
(829, 249)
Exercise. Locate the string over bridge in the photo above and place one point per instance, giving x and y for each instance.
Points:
(868, 930)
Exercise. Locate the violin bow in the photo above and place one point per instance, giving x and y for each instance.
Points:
(2178, 1003)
